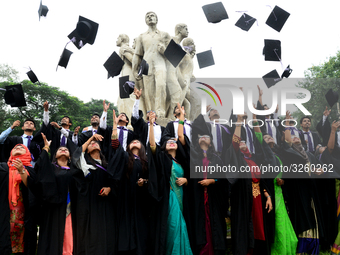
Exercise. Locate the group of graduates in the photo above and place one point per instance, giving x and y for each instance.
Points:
(111, 190)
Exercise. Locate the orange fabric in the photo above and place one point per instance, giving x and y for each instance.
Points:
(68, 237)
(14, 176)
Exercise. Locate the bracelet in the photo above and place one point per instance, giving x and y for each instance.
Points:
(22, 172)
(268, 196)
(255, 123)
(46, 147)
(181, 122)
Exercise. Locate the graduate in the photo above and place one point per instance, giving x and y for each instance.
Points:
(251, 203)
(305, 210)
(130, 170)
(209, 201)
(56, 185)
(285, 240)
(99, 216)
(15, 203)
(170, 215)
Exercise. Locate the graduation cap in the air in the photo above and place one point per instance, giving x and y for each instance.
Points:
(215, 12)
(14, 96)
(174, 53)
(272, 50)
(126, 87)
(31, 75)
(43, 10)
(74, 37)
(277, 18)
(287, 72)
(64, 58)
(271, 78)
(205, 59)
(245, 22)
(114, 65)
(332, 97)
(143, 68)
(86, 31)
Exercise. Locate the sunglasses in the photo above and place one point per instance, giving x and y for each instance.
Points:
(204, 136)
(171, 142)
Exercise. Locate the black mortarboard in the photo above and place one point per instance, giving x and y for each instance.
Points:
(64, 58)
(332, 97)
(271, 78)
(143, 68)
(87, 30)
(215, 12)
(272, 50)
(126, 87)
(43, 10)
(287, 72)
(14, 96)
(174, 53)
(245, 22)
(114, 65)
(205, 59)
(31, 75)
(74, 37)
(277, 18)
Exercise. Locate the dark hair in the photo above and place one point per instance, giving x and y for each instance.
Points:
(69, 119)
(211, 149)
(54, 160)
(95, 114)
(304, 117)
(127, 118)
(93, 161)
(142, 156)
(30, 119)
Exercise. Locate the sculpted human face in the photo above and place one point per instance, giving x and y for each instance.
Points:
(119, 41)
(184, 32)
(62, 152)
(151, 18)
(18, 150)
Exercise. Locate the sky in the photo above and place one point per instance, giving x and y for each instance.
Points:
(308, 38)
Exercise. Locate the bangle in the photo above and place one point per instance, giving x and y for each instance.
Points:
(47, 148)
(267, 196)
(114, 129)
(22, 172)
(181, 122)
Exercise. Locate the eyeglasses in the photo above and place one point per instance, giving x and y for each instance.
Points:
(204, 136)
(171, 142)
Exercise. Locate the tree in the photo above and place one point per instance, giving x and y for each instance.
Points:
(318, 80)
(8, 73)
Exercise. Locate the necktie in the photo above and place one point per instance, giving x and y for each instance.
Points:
(248, 131)
(291, 130)
(219, 138)
(310, 145)
(121, 135)
(94, 131)
(28, 141)
(63, 141)
(269, 129)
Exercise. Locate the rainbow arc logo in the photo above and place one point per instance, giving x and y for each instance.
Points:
(209, 93)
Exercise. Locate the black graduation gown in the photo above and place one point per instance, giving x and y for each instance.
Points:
(218, 206)
(133, 205)
(300, 192)
(325, 133)
(52, 134)
(51, 185)
(160, 165)
(5, 241)
(141, 128)
(168, 132)
(241, 201)
(315, 136)
(98, 213)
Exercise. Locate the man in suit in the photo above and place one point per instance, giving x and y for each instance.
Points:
(141, 127)
(311, 139)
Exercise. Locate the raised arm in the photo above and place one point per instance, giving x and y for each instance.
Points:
(102, 123)
(152, 118)
(288, 135)
(331, 140)
(96, 137)
(260, 94)
(135, 109)
(5, 134)
(181, 125)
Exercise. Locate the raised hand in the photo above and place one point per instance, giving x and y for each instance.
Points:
(260, 90)
(137, 93)
(45, 105)
(98, 137)
(335, 125)
(152, 117)
(105, 106)
(327, 112)
(46, 143)
(15, 124)
(55, 124)
(76, 131)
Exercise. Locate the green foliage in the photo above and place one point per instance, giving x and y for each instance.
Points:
(318, 80)
(8, 73)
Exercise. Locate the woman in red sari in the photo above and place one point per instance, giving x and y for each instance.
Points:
(14, 200)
